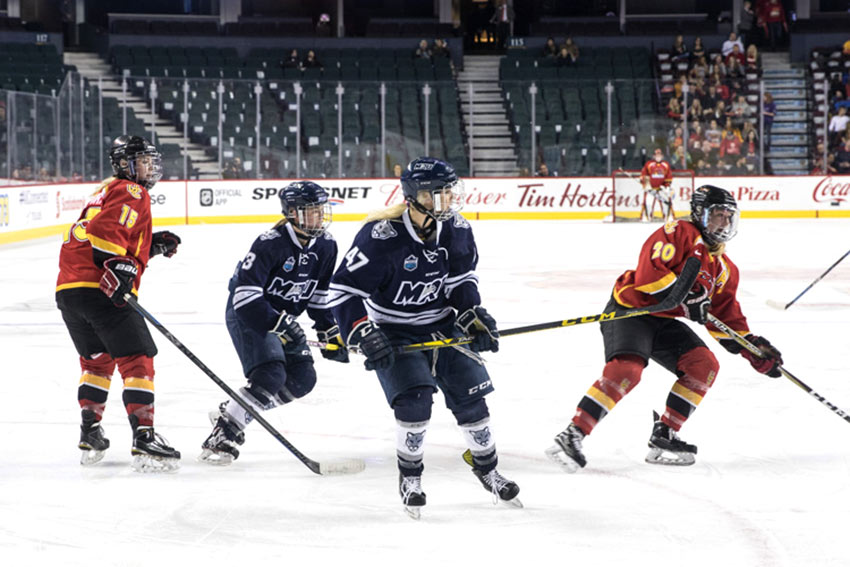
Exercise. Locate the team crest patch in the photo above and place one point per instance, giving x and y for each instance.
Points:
(460, 222)
(289, 264)
(383, 230)
(482, 436)
(414, 441)
(410, 263)
(134, 190)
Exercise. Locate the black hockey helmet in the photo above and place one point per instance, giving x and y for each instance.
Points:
(125, 156)
(443, 190)
(305, 204)
(715, 212)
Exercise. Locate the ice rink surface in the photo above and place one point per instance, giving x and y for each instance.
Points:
(771, 485)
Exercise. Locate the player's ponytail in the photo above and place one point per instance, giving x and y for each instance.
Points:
(391, 212)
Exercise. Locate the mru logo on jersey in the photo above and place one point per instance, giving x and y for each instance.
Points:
(292, 291)
(419, 293)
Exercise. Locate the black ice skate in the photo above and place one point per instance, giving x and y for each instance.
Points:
(410, 489)
(503, 490)
(92, 442)
(567, 449)
(220, 447)
(151, 451)
(665, 447)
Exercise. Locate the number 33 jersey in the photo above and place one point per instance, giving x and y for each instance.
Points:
(396, 280)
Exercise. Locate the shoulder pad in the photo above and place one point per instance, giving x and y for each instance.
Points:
(383, 230)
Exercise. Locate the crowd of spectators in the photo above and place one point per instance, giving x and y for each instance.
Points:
(764, 23)
(564, 54)
(837, 142)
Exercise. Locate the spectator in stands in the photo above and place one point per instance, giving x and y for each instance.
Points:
(748, 127)
(294, 61)
(774, 22)
(709, 100)
(740, 167)
(44, 175)
(753, 58)
(696, 135)
(729, 126)
(674, 109)
(233, 169)
(737, 53)
(718, 68)
(503, 15)
(723, 90)
(572, 49)
(680, 158)
(713, 134)
(718, 113)
(524, 172)
(842, 158)
(551, 48)
(740, 110)
(679, 51)
(838, 125)
(695, 111)
(675, 138)
(543, 170)
(699, 50)
(733, 40)
(769, 112)
(563, 59)
(423, 51)
(311, 61)
(730, 146)
(734, 67)
(747, 19)
(397, 170)
(440, 49)
(750, 150)
(723, 167)
(323, 26)
(700, 67)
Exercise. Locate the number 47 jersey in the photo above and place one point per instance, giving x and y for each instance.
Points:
(398, 281)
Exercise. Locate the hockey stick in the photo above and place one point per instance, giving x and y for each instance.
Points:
(778, 305)
(677, 294)
(757, 351)
(348, 466)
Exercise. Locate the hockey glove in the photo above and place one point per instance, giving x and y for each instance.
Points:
(374, 344)
(288, 330)
(119, 274)
(696, 304)
(331, 337)
(768, 365)
(164, 243)
(475, 322)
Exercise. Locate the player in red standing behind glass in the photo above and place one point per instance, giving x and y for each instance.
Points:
(656, 178)
(631, 343)
(102, 259)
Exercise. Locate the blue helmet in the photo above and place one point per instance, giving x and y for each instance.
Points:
(708, 205)
(305, 204)
(438, 178)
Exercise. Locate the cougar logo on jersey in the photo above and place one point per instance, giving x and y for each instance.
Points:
(270, 234)
(418, 293)
(292, 291)
(414, 441)
(482, 436)
(289, 264)
(383, 231)
(410, 263)
(460, 222)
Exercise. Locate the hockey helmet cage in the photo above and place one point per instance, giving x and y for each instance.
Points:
(305, 204)
(432, 187)
(715, 212)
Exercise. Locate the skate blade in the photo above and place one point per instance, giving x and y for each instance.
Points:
(512, 503)
(151, 464)
(661, 457)
(90, 457)
(415, 512)
(557, 455)
(220, 459)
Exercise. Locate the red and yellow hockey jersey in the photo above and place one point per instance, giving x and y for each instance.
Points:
(116, 220)
(661, 261)
(659, 173)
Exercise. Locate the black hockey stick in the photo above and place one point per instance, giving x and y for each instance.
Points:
(677, 294)
(342, 467)
(757, 351)
(778, 305)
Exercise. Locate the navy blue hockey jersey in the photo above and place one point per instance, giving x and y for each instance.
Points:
(397, 280)
(278, 274)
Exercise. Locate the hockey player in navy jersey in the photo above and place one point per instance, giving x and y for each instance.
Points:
(410, 277)
(287, 270)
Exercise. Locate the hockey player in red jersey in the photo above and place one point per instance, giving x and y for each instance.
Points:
(102, 259)
(656, 178)
(630, 343)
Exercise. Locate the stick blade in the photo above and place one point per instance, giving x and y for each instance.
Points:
(346, 466)
(776, 304)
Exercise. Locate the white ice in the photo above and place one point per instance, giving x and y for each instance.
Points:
(770, 486)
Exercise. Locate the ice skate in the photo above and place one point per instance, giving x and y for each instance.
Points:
(92, 442)
(220, 447)
(567, 449)
(151, 452)
(410, 489)
(503, 490)
(665, 447)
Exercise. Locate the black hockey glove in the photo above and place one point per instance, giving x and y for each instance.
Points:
(374, 344)
(164, 243)
(331, 337)
(696, 304)
(475, 322)
(288, 330)
(768, 365)
(119, 274)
